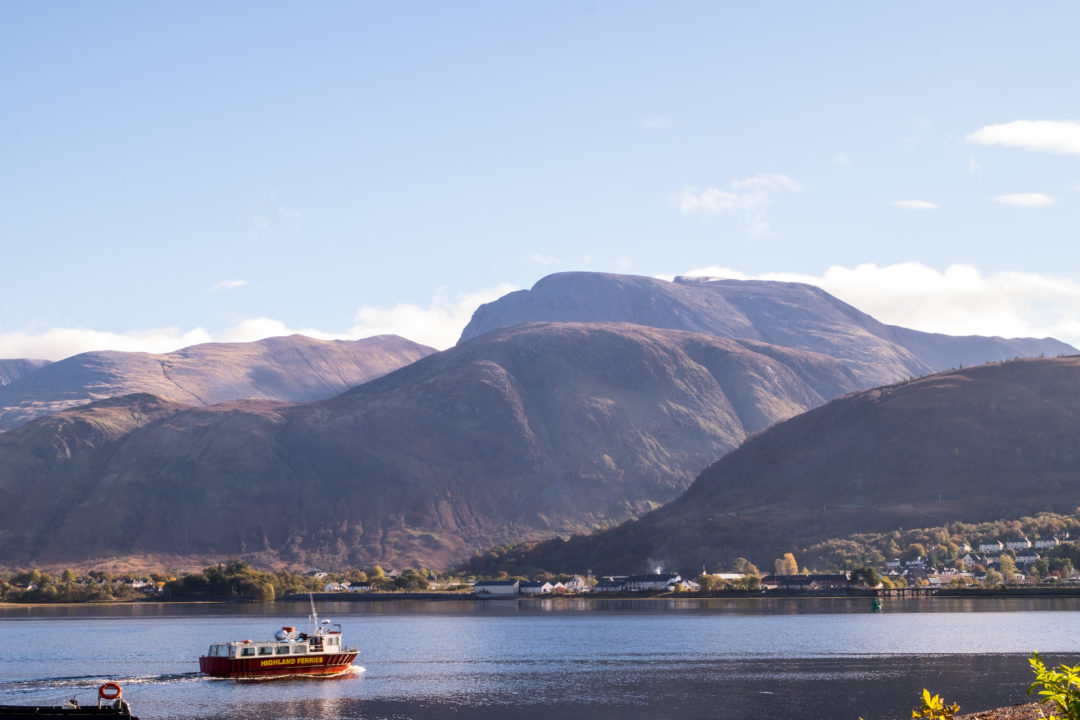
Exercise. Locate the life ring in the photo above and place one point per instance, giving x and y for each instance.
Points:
(110, 691)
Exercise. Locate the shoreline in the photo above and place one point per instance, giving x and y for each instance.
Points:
(854, 594)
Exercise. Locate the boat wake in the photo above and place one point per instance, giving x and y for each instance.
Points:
(85, 681)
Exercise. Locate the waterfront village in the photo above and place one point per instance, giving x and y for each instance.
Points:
(1016, 562)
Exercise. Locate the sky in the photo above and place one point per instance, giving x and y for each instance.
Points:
(177, 173)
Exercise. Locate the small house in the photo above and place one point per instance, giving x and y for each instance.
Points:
(534, 587)
(495, 587)
(652, 581)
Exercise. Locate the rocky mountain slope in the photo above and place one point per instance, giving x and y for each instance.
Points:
(980, 444)
(787, 314)
(521, 433)
(12, 370)
(294, 368)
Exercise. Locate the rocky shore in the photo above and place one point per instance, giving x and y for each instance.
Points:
(1025, 711)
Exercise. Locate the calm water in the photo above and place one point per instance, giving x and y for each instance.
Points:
(790, 658)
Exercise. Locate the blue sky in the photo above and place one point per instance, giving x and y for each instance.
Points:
(180, 173)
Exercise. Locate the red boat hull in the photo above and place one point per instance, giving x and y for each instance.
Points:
(251, 668)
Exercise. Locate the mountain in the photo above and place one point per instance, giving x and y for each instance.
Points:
(294, 368)
(11, 370)
(781, 313)
(522, 433)
(979, 444)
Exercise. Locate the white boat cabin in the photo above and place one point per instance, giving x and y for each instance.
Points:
(326, 640)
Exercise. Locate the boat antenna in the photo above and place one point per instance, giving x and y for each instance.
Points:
(314, 615)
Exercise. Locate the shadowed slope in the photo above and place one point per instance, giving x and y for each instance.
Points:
(521, 433)
(997, 441)
(12, 370)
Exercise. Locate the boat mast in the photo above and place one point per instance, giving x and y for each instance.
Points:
(314, 617)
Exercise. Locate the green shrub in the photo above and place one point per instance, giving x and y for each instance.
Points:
(1060, 685)
(934, 708)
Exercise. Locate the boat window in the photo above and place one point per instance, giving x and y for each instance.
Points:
(266, 650)
(282, 649)
(247, 651)
(332, 641)
(299, 649)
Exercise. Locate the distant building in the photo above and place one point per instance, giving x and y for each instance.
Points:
(577, 584)
(534, 587)
(610, 584)
(652, 581)
(991, 547)
(807, 582)
(495, 587)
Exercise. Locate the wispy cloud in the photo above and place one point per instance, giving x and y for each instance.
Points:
(959, 300)
(439, 324)
(1041, 135)
(59, 343)
(747, 197)
(1025, 199)
(916, 204)
(539, 259)
(841, 159)
(228, 285)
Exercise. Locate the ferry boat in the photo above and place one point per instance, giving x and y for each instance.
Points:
(318, 652)
(109, 705)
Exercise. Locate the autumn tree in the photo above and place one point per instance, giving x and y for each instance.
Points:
(1008, 568)
(786, 565)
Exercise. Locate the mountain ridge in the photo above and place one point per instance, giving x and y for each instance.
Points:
(526, 432)
(294, 368)
(781, 313)
(992, 442)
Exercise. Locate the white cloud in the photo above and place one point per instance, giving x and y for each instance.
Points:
(59, 343)
(228, 285)
(1025, 199)
(916, 204)
(438, 325)
(957, 301)
(747, 197)
(841, 159)
(539, 259)
(1041, 135)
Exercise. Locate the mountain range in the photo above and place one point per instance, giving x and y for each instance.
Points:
(979, 444)
(296, 451)
(787, 314)
(522, 433)
(294, 368)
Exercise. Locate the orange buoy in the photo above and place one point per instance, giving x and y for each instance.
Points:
(110, 691)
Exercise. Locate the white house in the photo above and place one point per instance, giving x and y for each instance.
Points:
(1045, 543)
(333, 587)
(991, 547)
(534, 587)
(1021, 543)
(577, 584)
(652, 581)
(495, 587)
(1027, 558)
